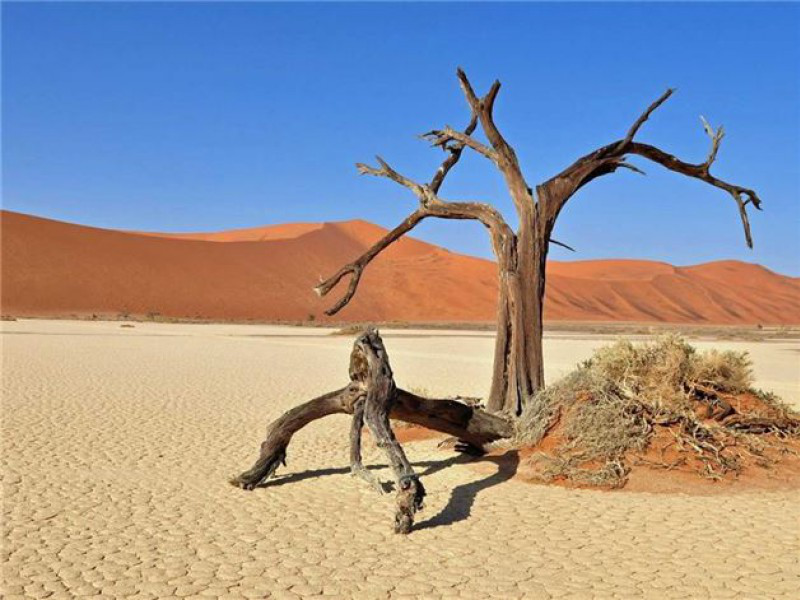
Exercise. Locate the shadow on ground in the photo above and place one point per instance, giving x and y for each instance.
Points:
(429, 467)
(462, 498)
(459, 507)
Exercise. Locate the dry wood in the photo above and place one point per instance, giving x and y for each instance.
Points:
(781, 425)
(376, 376)
(357, 468)
(372, 398)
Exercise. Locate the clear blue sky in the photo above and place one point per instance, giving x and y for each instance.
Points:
(201, 116)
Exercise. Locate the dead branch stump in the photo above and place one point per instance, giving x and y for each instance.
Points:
(378, 379)
(372, 398)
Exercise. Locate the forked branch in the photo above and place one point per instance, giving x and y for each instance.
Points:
(741, 195)
(430, 205)
(503, 154)
(385, 170)
(443, 137)
(716, 137)
(555, 192)
(644, 116)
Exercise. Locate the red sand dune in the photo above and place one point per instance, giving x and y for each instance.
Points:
(50, 268)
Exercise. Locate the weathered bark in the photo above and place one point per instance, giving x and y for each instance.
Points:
(371, 397)
(280, 432)
(381, 393)
(471, 424)
(357, 468)
(513, 379)
(518, 359)
(522, 255)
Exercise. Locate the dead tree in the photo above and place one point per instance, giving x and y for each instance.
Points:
(521, 256)
(371, 396)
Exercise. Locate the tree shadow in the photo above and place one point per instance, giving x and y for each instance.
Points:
(459, 507)
(430, 467)
(462, 498)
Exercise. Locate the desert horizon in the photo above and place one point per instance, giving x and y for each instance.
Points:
(57, 269)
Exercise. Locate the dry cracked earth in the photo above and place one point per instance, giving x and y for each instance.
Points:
(118, 444)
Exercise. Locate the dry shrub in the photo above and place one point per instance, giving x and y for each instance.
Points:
(608, 409)
(728, 371)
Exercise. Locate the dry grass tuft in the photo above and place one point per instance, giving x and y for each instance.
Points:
(701, 407)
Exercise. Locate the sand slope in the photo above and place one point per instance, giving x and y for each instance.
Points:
(55, 268)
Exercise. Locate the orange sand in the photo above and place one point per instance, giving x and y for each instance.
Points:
(52, 268)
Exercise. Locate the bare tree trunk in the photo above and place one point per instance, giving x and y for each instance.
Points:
(511, 380)
(535, 272)
(518, 360)
(497, 393)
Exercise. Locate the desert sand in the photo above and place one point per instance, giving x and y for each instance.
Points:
(118, 443)
(52, 268)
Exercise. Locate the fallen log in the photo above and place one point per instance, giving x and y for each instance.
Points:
(372, 398)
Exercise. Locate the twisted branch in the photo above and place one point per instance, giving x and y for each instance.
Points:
(555, 192)
(503, 154)
(430, 205)
(741, 195)
(442, 137)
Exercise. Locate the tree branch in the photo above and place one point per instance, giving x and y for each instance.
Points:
(555, 192)
(716, 138)
(455, 154)
(356, 268)
(741, 195)
(644, 116)
(442, 137)
(435, 207)
(504, 155)
(562, 244)
(388, 172)
(430, 205)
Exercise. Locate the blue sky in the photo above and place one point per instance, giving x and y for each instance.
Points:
(208, 116)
